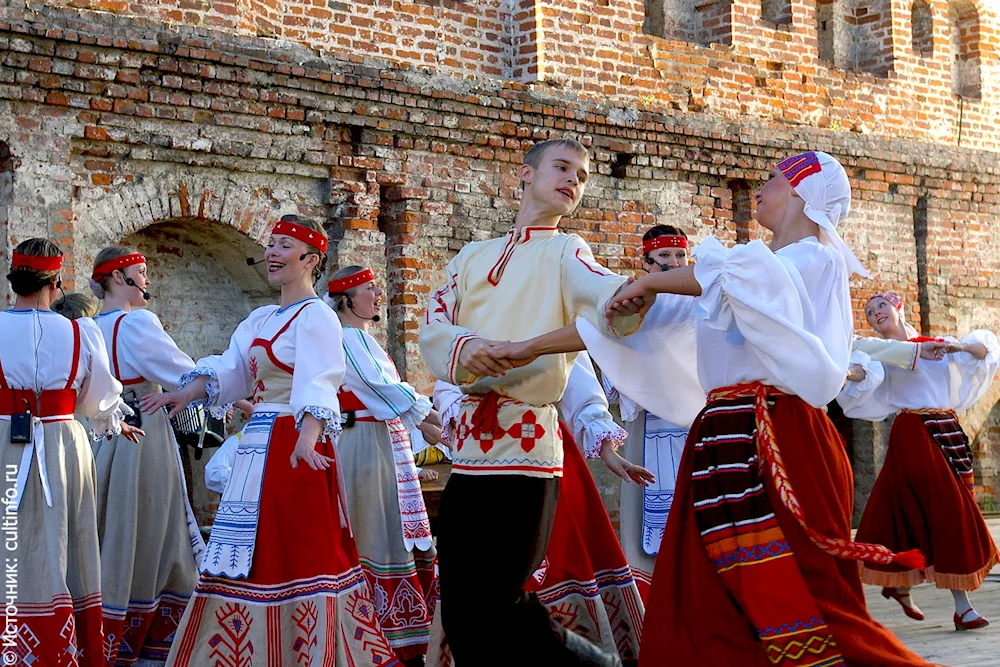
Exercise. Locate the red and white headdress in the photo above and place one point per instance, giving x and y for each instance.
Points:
(300, 232)
(896, 300)
(820, 180)
(341, 285)
(112, 265)
(668, 241)
(36, 262)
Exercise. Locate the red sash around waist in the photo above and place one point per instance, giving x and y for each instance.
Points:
(51, 403)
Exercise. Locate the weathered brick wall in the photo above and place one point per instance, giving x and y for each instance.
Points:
(842, 64)
(189, 142)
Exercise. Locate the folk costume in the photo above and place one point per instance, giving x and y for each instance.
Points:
(280, 580)
(150, 542)
(635, 367)
(584, 581)
(923, 496)
(50, 517)
(384, 500)
(757, 565)
(508, 449)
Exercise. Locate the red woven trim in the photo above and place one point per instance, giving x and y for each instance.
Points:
(767, 445)
(36, 262)
(112, 265)
(343, 284)
(663, 242)
(304, 234)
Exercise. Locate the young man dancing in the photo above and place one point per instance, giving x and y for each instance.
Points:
(497, 510)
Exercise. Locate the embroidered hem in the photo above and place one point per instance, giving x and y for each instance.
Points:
(910, 578)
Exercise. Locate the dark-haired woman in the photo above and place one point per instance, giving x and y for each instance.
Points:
(655, 441)
(381, 482)
(280, 582)
(50, 368)
(150, 543)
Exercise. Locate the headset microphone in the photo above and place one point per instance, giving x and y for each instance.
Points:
(251, 261)
(373, 318)
(131, 283)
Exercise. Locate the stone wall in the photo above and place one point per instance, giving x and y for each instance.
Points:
(156, 124)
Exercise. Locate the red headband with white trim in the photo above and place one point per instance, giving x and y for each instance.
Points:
(112, 265)
(343, 284)
(36, 262)
(664, 242)
(300, 232)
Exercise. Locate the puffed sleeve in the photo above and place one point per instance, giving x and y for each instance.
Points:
(792, 308)
(587, 287)
(867, 399)
(971, 377)
(899, 353)
(448, 403)
(219, 468)
(664, 349)
(368, 376)
(145, 346)
(585, 408)
(441, 339)
(229, 372)
(99, 396)
(319, 368)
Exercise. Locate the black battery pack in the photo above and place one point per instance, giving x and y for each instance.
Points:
(20, 428)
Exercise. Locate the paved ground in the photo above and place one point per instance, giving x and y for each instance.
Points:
(935, 638)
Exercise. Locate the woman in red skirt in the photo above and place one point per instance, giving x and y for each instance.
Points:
(923, 497)
(280, 581)
(757, 567)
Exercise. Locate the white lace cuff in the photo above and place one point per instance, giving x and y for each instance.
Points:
(597, 432)
(330, 419)
(211, 387)
(417, 413)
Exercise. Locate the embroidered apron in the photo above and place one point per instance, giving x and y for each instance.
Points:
(412, 511)
(234, 534)
(663, 445)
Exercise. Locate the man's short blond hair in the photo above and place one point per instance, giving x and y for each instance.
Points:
(533, 157)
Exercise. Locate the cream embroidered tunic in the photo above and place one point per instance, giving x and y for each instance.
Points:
(527, 283)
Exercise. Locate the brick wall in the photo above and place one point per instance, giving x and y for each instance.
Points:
(189, 142)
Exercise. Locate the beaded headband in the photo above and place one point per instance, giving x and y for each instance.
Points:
(112, 265)
(664, 242)
(341, 285)
(300, 232)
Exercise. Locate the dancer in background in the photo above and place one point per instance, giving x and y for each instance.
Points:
(923, 496)
(655, 442)
(50, 368)
(280, 579)
(756, 560)
(498, 506)
(75, 305)
(381, 482)
(150, 542)
(584, 581)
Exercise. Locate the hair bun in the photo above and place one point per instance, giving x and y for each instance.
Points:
(96, 288)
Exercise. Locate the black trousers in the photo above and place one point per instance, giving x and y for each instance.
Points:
(494, 530)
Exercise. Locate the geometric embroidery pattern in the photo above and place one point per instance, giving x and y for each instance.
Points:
(752, 554)
(795, 649)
